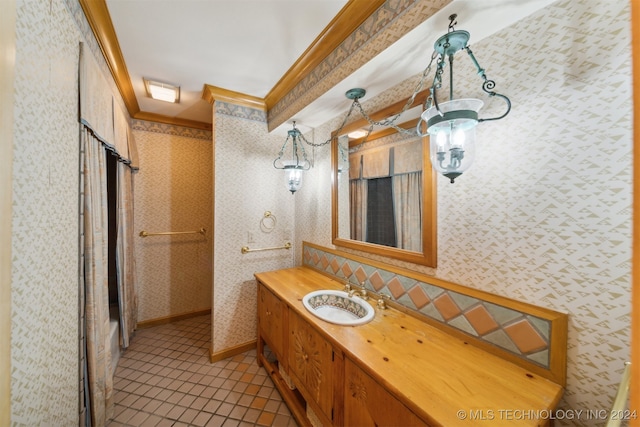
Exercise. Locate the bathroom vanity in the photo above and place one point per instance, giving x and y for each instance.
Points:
(396, 370)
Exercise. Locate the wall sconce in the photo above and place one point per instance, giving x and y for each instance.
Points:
(451, 125)
(293, 168)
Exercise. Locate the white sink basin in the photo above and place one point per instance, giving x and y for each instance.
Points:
(338, 307)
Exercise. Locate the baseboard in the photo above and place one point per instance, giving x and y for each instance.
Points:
(171, 319)
(232, 351)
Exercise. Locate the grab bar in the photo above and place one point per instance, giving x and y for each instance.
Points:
(245, 249)
(167, 233)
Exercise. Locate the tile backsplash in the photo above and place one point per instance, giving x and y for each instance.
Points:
(518, 332)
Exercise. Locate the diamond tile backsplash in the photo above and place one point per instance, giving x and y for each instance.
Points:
(519, 333)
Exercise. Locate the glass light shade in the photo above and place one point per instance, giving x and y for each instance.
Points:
(453, 135)
(293, 175)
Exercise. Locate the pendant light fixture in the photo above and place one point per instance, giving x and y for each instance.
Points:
(451, 125)
(293, 167)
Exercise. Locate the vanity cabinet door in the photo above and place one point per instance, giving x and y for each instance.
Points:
(311, 365)
(367, 403)
(270, 320)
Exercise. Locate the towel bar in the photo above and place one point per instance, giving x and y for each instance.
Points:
(245, 249)
(167, 233)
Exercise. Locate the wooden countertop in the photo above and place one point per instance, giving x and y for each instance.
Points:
(440, 377)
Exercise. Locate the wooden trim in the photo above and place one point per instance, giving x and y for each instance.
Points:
(352, 15)
(292, 398)
(99, 19)
(170, 319)
(634, 403)
(7, 70)
(557, 371)
(159, 118)
(213, 93)
(429, 254)
(231, 351)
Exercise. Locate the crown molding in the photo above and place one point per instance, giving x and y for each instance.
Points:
(350, 17)
(100, 22)
(176, 121)
(213, 93)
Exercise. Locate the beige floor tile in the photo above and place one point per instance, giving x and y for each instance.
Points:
(165, 379)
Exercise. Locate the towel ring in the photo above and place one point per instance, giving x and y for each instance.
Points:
(268, 222)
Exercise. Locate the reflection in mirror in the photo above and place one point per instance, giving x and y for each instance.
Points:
(384, 190)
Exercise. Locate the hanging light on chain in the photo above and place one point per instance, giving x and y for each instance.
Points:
(451, 125)
(297, 164)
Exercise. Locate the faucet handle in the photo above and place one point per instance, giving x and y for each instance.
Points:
(364, 294)
(382, 305)
(347, 286)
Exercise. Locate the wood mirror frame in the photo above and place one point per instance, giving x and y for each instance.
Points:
(428, 256)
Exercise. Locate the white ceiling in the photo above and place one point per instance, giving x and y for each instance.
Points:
(248, 45)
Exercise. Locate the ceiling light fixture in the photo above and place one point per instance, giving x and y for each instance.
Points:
(357, 134)
(451, 124)
(162, 91)
(293, 168)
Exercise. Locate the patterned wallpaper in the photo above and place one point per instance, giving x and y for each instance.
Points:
(246, 185)
(544, 214)
(173, 192)
(547, 221)
(167, 129)
(44, 284)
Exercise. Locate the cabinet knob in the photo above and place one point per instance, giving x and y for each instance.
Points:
(305, 356)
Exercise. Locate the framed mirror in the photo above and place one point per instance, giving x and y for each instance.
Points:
(384, 189)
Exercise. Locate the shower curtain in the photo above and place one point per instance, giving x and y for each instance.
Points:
(95, 228)
(104, 126)
(124, 254)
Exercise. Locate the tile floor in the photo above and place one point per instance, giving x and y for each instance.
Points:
(165, 379)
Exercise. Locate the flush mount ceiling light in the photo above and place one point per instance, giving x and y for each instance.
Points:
(293, 167)
(451, 125)
(162, 91)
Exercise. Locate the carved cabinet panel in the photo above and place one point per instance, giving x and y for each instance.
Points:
(270, 320)
(311, 363)
(367, 403)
